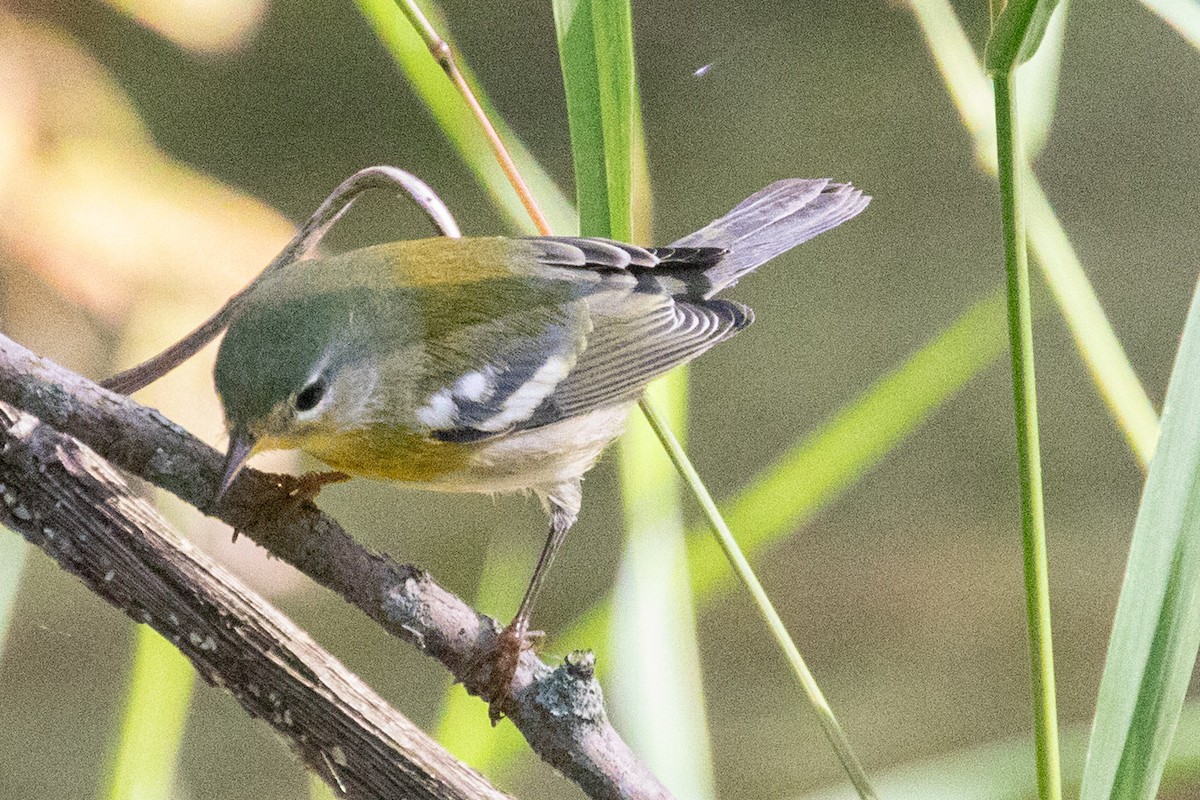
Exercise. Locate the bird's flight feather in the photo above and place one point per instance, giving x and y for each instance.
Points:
(650, 309)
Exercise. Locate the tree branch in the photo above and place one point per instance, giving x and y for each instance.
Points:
(560, 712)
(68, 501)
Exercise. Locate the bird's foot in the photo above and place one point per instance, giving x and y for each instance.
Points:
(299, 490)
(501, 661)
(306, 487)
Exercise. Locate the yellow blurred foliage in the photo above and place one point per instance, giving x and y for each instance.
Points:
(90, 208)
(202, 26)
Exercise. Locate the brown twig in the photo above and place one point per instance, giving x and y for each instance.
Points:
(68, 501)
(560, 711)
(439, 48)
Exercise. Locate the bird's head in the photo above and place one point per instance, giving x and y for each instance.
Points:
(294, 368)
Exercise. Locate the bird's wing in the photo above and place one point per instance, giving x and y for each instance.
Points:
(631, 346)
(568, 361)
(674, 271)
(591, 330)
(487, 375)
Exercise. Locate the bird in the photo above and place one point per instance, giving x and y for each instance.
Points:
(492, 364)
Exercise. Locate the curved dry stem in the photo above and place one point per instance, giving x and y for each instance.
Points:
(301, 246)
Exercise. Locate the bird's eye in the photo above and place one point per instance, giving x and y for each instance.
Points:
(310, 396)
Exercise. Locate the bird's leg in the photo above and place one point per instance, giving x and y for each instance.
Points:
(516, 636)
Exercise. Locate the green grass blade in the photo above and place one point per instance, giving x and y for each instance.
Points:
(1182, 15)
(1029, 458)
(595, 50)
(1037, 88)
(452, 114)
(160, 693)
(1156, 632)
(654, 686)
(612, 26)
(577, 57)
(1017, 33)
(1094, 337)
(12, 563)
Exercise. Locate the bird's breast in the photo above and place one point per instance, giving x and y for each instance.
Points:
(544, 456)
(387, 453)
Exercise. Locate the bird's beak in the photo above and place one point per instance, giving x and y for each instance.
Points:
(241, 445)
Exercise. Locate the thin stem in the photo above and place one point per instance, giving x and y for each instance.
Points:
(1112, 372)
(1033, 524)
(441, 52)
(304, 242)
(833, 730)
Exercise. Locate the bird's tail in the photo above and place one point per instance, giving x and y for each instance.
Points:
(771, 222)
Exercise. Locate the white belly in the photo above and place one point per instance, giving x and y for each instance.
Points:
(537, 459)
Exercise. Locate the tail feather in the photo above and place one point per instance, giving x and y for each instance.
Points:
(772, 222)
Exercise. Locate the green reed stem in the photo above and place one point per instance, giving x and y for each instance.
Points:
(1033, 523)
(833, 730)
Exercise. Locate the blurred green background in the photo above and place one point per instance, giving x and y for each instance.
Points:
(905, 595)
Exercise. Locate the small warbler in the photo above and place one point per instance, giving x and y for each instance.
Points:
(492, 364)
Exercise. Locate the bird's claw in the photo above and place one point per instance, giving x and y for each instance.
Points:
(306, 487)
(501, 661)
(298, 490)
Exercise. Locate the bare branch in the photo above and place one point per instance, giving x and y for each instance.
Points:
(68, 501)
(560, 712)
